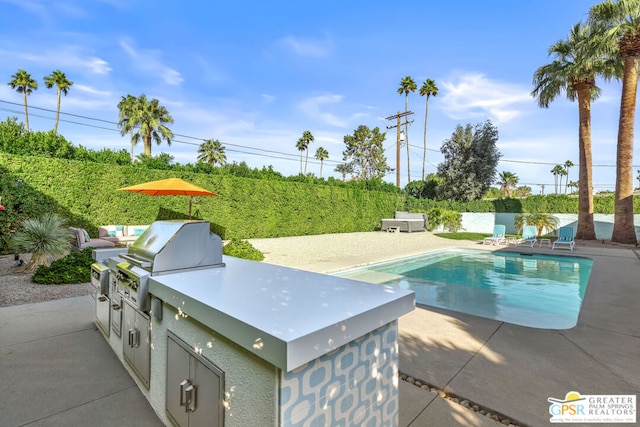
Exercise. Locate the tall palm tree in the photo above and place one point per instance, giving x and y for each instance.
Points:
(23, 83)
(618, 24)
(344, 169)
(508, 181)
(308, 139)
(573, 72)
(126, 109)
(428, 89)
(321, 154)
(567, 165)
(557, 171)
(303, 145)
(148, 118)
(407, 85)
(59, 79)
(212, 151)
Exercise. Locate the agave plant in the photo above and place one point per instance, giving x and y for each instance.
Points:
(44, 238)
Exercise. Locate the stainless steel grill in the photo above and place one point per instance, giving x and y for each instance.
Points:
(166, 247)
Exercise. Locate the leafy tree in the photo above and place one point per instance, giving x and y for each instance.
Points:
(212, 151)
(146, 120)
(617, 24)
(508, 180)
(573, 72)
(303, 145)
(407, 85)
(24, 84)
(523, 191)
(428, 89)
(470, 161)
(58, 79)
(162, 161)
(365, 153)
(126, 109)
(424, 189)
(321, 154)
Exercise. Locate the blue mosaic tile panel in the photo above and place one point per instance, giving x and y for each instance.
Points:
(354, 385)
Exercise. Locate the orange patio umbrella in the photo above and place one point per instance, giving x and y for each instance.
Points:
(170, 187)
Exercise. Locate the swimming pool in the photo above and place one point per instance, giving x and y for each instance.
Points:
(537, 291)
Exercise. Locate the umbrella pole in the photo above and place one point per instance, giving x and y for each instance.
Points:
(190, 200)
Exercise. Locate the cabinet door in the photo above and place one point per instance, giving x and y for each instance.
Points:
(143, 350)
(136, 348)
(208, 399)
(177, 379)
(129, 322)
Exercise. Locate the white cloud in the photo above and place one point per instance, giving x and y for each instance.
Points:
(147, 62)
(313, 108)
(475, 95)
(307, 47)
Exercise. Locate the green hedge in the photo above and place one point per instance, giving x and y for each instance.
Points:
(87, 195)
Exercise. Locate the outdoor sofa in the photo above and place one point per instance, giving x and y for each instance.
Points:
(405, 221)
(80, 240)
(121, 235)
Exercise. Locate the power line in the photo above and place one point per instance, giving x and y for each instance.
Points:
(261, 151)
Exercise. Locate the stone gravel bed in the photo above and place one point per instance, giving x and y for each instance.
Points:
(17, 288)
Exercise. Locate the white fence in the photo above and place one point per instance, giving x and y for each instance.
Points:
(484, 222)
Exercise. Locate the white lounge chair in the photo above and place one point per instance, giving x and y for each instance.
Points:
(498, 235)
(529, 236)
(565, 238)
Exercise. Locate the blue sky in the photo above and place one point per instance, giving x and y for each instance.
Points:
(255, 75)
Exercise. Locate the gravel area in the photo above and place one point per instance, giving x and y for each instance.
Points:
(17, 288)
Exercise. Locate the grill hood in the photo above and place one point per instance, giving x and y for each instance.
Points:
(171, 246)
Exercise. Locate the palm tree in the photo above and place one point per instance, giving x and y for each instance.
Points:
(301, 146)
(407, 85)
(308, 139)
(573, 72)
(557, 171)
(540, 220)
(23, 83)
(508, 180)
(59, 79)
(148, 117)
(321, 154)
(212, 151)
(618, 25)
(344, 169)
(126, 108)
(428, 89)
(567, 165)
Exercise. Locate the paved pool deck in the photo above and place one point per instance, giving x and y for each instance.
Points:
(57, 369)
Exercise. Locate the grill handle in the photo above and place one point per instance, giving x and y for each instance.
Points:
(136, 261)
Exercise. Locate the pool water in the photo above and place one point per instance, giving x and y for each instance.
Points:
(537, 291)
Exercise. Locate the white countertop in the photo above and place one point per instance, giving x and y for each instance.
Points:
(285, 316)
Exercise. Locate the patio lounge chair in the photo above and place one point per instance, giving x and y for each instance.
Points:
(529, 236)
(498, 235)
(565, 237)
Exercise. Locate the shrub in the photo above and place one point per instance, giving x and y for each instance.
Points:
(242, 249)
(450, 220)
(72, 268)
(44, 238)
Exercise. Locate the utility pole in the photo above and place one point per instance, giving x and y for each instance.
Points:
(398, 125)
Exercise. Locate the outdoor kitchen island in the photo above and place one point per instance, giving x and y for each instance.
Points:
(243, 343)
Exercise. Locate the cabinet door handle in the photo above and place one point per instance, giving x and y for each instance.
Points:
(190, 391)
(130, 337)
(183, 394)
(102, 298)
(134, 338)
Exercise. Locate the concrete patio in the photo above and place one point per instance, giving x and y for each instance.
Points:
(57, 369)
